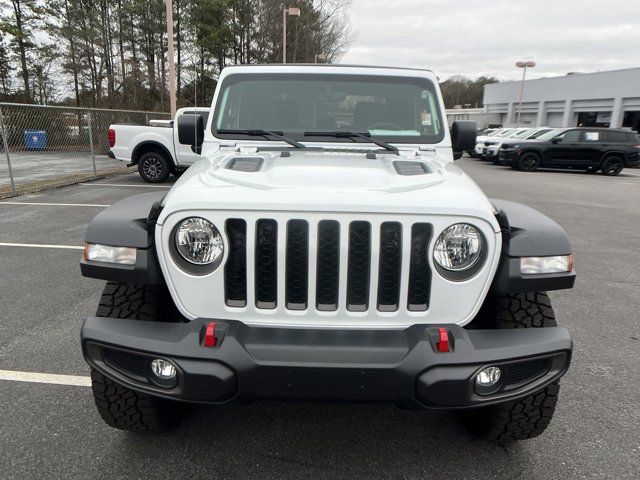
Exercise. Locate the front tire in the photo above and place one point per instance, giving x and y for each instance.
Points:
(527, 417)
(126, 409)
(154, 167)
(119, 406)
(529, 162)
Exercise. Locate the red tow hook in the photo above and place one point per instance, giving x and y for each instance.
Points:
(443, 341)
(210, 339)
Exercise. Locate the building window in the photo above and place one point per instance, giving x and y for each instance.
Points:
(632, 120)
(594, 119)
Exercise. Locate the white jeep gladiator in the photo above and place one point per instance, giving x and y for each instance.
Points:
(327, 248)
(157, 149)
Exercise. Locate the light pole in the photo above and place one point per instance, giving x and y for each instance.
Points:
(524, 66)
(294, 12)
(172, 71)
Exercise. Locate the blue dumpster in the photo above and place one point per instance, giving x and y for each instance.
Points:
(35, 139)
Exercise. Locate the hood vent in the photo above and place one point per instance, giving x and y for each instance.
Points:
(245, 164)
(411, 168)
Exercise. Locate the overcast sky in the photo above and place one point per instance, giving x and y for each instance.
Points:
(486, 37)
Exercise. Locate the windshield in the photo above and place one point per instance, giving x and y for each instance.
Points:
(392, 109)
(550, 134)
(538, 133)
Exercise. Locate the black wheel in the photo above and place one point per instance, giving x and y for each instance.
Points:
(119, 406)
(612, 166)
(154, 167)
(529, 416)
(529, 162)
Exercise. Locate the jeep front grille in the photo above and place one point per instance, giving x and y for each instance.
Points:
(357, 263)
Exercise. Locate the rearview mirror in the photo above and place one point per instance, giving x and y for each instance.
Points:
(463, 137)
(191, 131)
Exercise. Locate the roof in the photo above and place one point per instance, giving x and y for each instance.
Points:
(573, 75)
(324, 65)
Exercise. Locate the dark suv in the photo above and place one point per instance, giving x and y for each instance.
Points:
(590, 149)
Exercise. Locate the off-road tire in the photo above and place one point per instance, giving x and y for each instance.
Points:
(137, 302)
(529, 162)
(154, 167)
(119, 406)
(126, 409)
(612, 166)
(529, 416)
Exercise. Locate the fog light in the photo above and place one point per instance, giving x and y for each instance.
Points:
(163, 369)
(488, 381)
(164, 374)
(488, 376)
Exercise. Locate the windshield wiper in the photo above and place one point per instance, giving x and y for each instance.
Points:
(262, 133)
(352, 135)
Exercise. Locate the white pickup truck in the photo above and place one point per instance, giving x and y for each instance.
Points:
(157, 148)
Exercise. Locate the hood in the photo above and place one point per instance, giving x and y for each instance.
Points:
(514, 141)
(333, 181)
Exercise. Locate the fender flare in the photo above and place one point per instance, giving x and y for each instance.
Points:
(151, 145)
(129, 222)
(528, 233)
(614, 153)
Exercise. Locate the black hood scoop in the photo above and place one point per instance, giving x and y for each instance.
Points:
(409, 168)
(245, 164)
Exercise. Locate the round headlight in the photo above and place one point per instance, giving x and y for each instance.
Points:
(198, 241)
(458, 248)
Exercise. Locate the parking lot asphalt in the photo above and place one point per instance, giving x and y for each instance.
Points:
(54, 431)
(39, 166)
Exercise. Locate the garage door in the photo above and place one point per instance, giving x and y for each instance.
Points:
(554, 119)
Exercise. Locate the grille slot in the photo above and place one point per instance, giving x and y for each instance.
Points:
(297, 265)
(235, 271)
(328, 265)
(390, 266)
(359, 266)
(419, 271)
(266, 266)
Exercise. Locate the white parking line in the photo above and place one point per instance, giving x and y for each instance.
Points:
(34, 377)
(122, 185)
(41, 245)
(56, 204)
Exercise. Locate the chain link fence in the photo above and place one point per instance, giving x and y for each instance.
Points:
(47, 147)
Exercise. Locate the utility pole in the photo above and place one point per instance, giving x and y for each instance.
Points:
(524, 66)
(172, 67)
(294, 12)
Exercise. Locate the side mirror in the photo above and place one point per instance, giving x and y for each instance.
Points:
(463, 137)
(556, 140)
(191, 131)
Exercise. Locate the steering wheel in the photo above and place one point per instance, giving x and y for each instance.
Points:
(385, 126)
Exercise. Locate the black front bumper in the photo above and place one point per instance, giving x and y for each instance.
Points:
(506, 157)
(391, 366)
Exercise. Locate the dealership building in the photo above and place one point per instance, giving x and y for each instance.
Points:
(604, 99)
